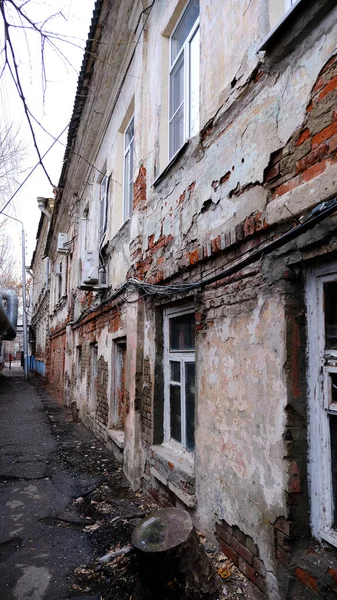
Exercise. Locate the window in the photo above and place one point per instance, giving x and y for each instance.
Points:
(322, 374)
(277, 10)
(128, 170)
(85, 230)
(46, 271)
(179, 378)
(289, 4)
(58, 272)
(92, 403)
(184, 78)
(78, 363)
(118, 408)
(103, 206)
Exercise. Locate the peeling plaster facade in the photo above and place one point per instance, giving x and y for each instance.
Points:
(39, 301)
(264, 157)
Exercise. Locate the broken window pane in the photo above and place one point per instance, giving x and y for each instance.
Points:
(330, 310)
(190, 403)
(182, 332)
(333, 437)
(175, 412)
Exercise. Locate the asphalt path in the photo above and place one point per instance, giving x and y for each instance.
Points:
(37, 557)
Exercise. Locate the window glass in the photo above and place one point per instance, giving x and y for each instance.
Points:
(177, 86)
(333, 437)
(190, 403)
(175, 371)
(103, 206)
(194, 83)
(333, 381)
(184, 27)
(175, 412)
(330, 311)
(184, 79)
(128, 170)
(129, 134)
(182, 332)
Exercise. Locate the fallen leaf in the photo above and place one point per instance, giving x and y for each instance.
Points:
(224, 572)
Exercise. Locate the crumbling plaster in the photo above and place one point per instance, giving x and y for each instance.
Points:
(273, 109)
(240, 440)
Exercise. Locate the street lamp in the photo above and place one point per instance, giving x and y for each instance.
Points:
(24, 308)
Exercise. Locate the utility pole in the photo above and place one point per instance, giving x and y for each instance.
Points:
(24, 307)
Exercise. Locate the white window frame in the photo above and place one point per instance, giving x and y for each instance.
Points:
(92, 401)
(183, 357)
(321, 362)
(58, 282)
(128, 168)
(46, 263)
(185, 51)
(103, 204)
(288, 4)
(85, 230)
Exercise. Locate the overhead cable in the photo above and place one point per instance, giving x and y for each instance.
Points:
(32, 170)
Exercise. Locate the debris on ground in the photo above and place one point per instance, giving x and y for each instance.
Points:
(107, 511)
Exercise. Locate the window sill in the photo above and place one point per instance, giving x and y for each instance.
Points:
(172, 162)
(302, 16)
(117, 436)
(330, 536)
(174, 469)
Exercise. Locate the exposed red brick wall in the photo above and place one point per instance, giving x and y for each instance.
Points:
(146, 407)
(139, 190)
(313, 147)
(56, 364)
(243, 552)
(102, 410)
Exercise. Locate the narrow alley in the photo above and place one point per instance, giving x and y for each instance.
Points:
(54, 520)
(65, 504)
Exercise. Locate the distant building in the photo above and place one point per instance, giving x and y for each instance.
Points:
(39, 294)
(191, 312)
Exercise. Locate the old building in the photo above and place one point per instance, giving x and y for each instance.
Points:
(192, 315)
(40, 294)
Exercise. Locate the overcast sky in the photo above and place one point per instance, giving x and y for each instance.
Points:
(52, 109)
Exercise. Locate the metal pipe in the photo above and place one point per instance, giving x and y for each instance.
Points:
(24, 308)
(8, 315)
(11, 305)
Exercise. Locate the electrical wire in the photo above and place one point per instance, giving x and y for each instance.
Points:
(32, 170)
(318, 214)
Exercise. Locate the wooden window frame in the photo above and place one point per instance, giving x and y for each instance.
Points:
(321, 362)
(183, 53)
(183, 357)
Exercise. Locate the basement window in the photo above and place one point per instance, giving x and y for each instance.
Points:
(322, 380)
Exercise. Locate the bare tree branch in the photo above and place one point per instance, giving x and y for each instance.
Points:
(17, 81)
